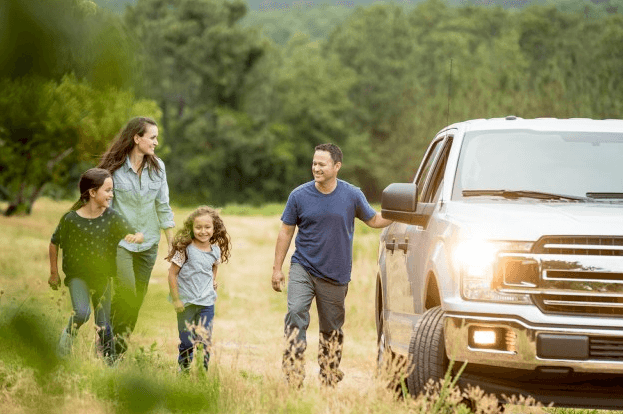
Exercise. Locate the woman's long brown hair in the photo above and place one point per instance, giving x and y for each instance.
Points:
(121, 147)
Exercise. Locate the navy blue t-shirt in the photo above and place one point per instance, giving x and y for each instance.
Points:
(326, 222)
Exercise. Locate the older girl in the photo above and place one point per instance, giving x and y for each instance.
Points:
(142, 196)
(88, 235)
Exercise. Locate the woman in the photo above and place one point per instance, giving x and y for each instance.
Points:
(141, 194)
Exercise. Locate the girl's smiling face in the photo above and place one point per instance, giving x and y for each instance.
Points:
(203, 228)
(102, 196)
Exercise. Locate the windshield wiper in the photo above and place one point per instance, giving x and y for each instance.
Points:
(605, 195)
(515, 194)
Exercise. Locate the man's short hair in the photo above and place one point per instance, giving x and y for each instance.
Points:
(334, 150)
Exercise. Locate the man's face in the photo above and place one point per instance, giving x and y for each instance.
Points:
(323, 167)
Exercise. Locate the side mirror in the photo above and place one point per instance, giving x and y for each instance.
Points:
(398, 198)
(399, 203)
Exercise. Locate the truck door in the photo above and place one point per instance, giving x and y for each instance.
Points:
(421, 244)
(399, 257)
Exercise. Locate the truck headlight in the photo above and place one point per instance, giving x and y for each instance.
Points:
(476, 261)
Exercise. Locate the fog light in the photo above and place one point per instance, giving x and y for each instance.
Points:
(484, 337)
(491, 338)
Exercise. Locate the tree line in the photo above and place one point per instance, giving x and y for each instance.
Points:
(240, 109)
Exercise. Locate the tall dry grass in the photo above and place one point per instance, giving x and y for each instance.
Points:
(245, 369)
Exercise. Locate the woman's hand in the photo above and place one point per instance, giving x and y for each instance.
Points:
(178, 305)
(54, 281)
(215, 284)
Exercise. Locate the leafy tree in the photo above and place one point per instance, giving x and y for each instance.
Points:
(63, 63)
(282, 24)
(49, 128)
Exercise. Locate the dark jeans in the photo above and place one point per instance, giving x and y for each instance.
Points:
(133, 274)
(330, 299)
(199, 320)
(82, 294)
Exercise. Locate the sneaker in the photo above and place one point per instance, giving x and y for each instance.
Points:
(64, 345)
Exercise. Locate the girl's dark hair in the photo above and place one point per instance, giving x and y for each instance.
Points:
(121, 147)
(185, 235)
(91, 179)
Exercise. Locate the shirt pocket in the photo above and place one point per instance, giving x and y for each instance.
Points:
(152, 190)
(123, 193)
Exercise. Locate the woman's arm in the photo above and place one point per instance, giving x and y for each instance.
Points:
(174, 271)
(169, 235)
(54, 281)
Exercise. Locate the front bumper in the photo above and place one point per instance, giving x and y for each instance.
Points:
(550, 349)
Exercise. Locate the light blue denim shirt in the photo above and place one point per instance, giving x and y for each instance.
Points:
(144, 202)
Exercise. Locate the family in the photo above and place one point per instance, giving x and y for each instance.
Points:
(109, 241)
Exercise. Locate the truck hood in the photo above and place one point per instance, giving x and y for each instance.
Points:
(528, 220)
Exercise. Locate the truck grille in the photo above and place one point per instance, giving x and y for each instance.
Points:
(577, 279)
(606, 348)
(593, 246)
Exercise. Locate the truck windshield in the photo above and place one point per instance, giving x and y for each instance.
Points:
(573, 164)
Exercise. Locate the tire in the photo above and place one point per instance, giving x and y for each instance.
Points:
(427, 350)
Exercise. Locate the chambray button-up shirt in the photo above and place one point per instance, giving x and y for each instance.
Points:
(144, 202)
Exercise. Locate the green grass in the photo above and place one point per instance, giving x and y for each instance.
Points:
(245, 374)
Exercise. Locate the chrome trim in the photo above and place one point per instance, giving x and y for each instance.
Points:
(586, 304)
(583, 246)
(491, 351)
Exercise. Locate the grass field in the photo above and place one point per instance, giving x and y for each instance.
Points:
(245, 372)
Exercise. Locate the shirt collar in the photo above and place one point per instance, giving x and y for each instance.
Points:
(128, 164)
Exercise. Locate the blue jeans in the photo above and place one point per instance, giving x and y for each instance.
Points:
(133, 274)
(200, 317)
(82, 294)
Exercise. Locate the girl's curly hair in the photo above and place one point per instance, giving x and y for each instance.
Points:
(185, 235)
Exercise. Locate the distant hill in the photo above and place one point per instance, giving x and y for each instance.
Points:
(271, 5)
(118, 6)
(279, 20)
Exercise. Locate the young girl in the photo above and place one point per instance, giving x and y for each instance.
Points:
(198, 248)
(89, 234)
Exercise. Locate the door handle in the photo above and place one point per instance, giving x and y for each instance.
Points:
(391, 245)
(404, 246)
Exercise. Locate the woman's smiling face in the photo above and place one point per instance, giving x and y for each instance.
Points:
(147, 143)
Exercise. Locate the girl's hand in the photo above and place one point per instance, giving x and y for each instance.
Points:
(134, 238)
(215, 284)
(178, 305)
(54, 281)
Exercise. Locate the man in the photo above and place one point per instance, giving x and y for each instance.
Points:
(324, 211)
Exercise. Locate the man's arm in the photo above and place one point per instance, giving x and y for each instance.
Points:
(378, 222)
(281, 249)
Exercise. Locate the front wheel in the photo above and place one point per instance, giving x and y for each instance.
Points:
(427, 350)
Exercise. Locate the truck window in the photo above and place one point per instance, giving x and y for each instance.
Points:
(433, 187)
(426, 166)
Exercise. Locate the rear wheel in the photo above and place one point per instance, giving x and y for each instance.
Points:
(427, 349)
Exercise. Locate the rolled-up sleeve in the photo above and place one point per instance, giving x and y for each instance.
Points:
(163, 208)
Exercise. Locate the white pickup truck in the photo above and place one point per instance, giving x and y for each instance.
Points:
(506, 251)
